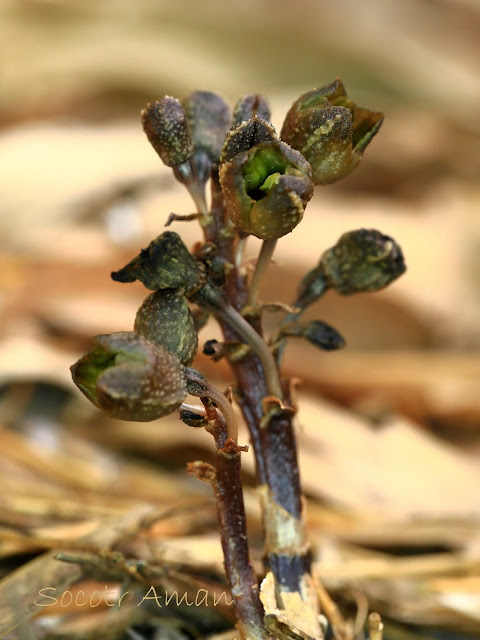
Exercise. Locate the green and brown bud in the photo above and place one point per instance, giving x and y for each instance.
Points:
(318, 333)
(130, 377)
(209, 117)
(266, 189)
(330, 131)
(165, 264)
(249, 106)
(167, 130)
(166, 319)
(362, 260)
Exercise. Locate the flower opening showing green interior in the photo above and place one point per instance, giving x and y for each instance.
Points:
(262, 171)
(96, 362)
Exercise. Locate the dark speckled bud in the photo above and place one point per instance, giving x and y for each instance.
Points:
(362, 260)
(249, 106)
(192, 419)
(165, 264)
(209, 118)
(166, 319)
(130, 377)
(167, 130)
(330, 131)
(318, 333)
(266, 189)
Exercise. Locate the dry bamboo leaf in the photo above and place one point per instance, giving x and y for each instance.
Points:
(379, 566)
(45, 571)
(396, 470)
(440, 386)
(30, 359)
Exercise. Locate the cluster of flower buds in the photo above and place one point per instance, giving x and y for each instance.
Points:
(263, 183)
(266, 180)
(266, 183)
(140, 375)
(364, 260)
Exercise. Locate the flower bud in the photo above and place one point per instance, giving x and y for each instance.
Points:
(130, 377)
(165, 318)
(192, 419)
(249, 106)
(246, 135)
(167, 130)
(362, 260)
(209, 118)
(318, 333)
(266, 189)
(165, 264)
(330, 131)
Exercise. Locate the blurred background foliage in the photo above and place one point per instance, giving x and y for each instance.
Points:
(390, 427)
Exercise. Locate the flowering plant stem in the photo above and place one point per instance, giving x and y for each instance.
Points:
(266, 253)
(207, 390)
(271, 430)
(260, 185)
(227, 486)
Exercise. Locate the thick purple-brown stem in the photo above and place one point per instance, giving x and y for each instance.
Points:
(272, 436)
(227, 486)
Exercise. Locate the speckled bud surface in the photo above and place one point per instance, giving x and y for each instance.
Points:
(166, 319)
(330, 131)
(362, 260)
(167, 130)
(165, 264)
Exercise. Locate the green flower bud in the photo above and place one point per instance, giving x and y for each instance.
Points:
(362, 260)
(246, 135)
(249, 106)
(330, 131)
(209, 118)
(266, 189)
(318, 333)
(165, 264)
(167, 130)
(166, 319)
(130, 377)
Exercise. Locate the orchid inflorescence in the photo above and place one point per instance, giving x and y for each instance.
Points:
(261, 183)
